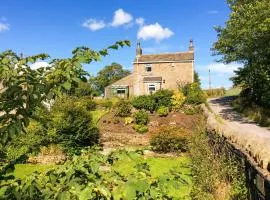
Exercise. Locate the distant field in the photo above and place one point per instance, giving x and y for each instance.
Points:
(233, 91)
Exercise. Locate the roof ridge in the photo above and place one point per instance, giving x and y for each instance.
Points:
(182, 52)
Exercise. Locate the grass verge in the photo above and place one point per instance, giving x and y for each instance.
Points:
(216, 175)
(97, 114)
(254, 112)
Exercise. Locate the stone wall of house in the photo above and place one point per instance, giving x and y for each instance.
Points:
(258, 177)
(172, 74)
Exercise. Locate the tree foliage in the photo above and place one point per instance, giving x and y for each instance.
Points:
(26, 88)
(246, 39)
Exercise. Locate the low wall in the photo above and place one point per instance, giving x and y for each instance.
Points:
(258, 179)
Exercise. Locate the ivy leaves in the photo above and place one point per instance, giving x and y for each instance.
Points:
(25, 88)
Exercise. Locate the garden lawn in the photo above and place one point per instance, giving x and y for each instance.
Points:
(97, 114)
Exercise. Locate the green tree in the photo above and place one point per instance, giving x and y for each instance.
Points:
(246, 39)
(108, 75)
(26, 88)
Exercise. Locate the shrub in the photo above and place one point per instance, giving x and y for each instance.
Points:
(72, 127)
(141, 117)
(194, 94)
(163, 111)
(178, 100)
(170, 139)
(163, 98)
(104, 103)
(35, 135)
(139, 128)
(123, 109)
(128, 120)
(145, 102)
(86, 103)
(191, 109)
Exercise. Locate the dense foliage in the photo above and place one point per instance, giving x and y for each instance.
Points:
(246, 39)
(178, 99)
(170, 139)
(94, 176)
(194, 94)
(163, 98)
(71, 126)
(123, 108)
(141, 117)
(154, 101)
(145, 102)
(35, 136)
(163, 111)
(26, 88)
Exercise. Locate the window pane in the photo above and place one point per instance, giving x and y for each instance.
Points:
(148, 68)
(121, 91)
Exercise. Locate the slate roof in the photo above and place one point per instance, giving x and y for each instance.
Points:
(152, 79)
(170, 57)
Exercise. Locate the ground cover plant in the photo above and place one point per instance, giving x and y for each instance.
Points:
(163, 111)
(120, 175)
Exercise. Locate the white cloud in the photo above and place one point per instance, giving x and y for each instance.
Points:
(121, 18)
(154, 31)
(94, 24)
(39, 64)
(4, 27)
(140, 21)
(223, 68)
(212, 12)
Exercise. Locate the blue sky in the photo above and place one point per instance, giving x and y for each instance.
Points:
(56, 27)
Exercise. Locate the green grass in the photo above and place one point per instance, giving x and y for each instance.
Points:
(233, 92)
(97, 114)
(23, 170)
(159, 167)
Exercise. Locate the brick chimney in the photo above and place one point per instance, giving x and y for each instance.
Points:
(138, 49)
(191, 46)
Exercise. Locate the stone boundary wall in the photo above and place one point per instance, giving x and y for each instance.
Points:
(258, 178)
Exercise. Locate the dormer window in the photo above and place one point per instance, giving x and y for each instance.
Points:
(148, 67)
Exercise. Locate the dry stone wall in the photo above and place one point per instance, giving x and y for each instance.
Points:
(253, 159)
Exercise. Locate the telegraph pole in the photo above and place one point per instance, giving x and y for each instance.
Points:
(209, 79)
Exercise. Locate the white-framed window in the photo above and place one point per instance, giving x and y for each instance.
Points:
(120, 91)
(148, 67)
(151, 88)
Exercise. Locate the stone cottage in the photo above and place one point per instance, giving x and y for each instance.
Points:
(152, 72)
